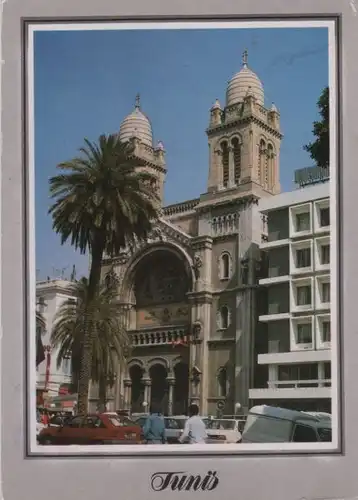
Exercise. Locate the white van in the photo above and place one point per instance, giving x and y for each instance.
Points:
(268, 424)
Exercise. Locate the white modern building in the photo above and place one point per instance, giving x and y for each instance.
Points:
(294, 348)
(51, 380)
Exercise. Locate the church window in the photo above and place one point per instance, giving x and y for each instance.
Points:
(222, 380)
(225, 164)
(237, 159)
(225, 266)
(270, 166)
(262, 161)
(223, 318)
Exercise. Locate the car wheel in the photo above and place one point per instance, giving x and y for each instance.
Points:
(47, 442)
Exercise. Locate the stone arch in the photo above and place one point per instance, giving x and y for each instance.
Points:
(135, 361)
(158, 360)
(172, 247)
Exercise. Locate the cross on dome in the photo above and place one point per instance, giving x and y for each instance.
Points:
(137, 101)
(244, 58)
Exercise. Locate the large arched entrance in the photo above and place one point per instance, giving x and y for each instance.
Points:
(159, 324)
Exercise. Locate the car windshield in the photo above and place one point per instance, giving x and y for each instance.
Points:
(325, 434)
(221, 425)
(173, 423)
(120, 421)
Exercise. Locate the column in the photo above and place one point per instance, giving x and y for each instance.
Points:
(171, 383)
(231, 167)
(321, 374)
(147, 392)
(127, 394)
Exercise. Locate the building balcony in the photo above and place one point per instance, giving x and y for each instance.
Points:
(274, 280)
(281, 358)
(293, 390)
(159, 336)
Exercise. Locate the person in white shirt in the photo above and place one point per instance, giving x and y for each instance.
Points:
(194, 430)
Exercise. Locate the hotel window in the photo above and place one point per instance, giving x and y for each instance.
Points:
(325, 254)
(326, 331)
(324, 218)
(304, 295)
(327, 371)
(302, 222)
(305, 371)
(326, 293)
(304, 333)
(303, 257)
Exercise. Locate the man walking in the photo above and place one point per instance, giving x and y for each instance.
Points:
(154, 427)
(194, 430)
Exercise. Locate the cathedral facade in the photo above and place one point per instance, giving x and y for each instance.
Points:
(190, 292)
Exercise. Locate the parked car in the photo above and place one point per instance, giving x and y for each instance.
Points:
(174, 426)
(93, 429)
(223, 430)
(268, 424)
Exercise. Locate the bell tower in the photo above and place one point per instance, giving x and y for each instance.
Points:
(244, 137)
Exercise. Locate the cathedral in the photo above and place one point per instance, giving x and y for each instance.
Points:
(190, 292)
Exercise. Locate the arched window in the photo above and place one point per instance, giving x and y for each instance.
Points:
(225, 266)
(225, 163)
(223, 318)
(236, 146)
(270, 166)
(262, 161)
(222, 380)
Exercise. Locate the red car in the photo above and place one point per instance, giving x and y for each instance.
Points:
(106, 428)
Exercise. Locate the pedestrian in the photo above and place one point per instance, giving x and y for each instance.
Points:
(154, 427)
(45, 419)
(194, 429)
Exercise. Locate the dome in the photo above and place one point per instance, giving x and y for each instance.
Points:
(245, 82)
(136, 124)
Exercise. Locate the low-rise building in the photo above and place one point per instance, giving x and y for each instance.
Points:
(294, 329)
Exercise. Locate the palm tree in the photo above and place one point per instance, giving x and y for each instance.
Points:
(40, 327)
(110, 338)
(102, 204)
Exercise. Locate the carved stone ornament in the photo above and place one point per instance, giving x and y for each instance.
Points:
(197, 265)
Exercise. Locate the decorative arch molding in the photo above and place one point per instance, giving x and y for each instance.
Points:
(159, 360)
(177, 361)
(135, 362)
(127, 295)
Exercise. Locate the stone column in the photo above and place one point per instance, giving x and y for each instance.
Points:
(171, 383)
(147, 391)
(127, 394)
(231, 167)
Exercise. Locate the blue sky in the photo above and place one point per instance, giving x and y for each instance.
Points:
(86, 82)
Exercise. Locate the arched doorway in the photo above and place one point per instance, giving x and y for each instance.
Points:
(137, 398)
(181, 389)
(159, 388)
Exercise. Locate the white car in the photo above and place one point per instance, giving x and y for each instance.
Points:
(223, 431)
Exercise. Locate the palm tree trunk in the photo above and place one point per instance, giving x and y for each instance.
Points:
(87, 340)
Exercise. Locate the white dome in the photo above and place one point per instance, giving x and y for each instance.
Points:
(136, 124)
(242, 84)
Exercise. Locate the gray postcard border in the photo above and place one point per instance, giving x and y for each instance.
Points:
(336, 19)
(316, 477)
